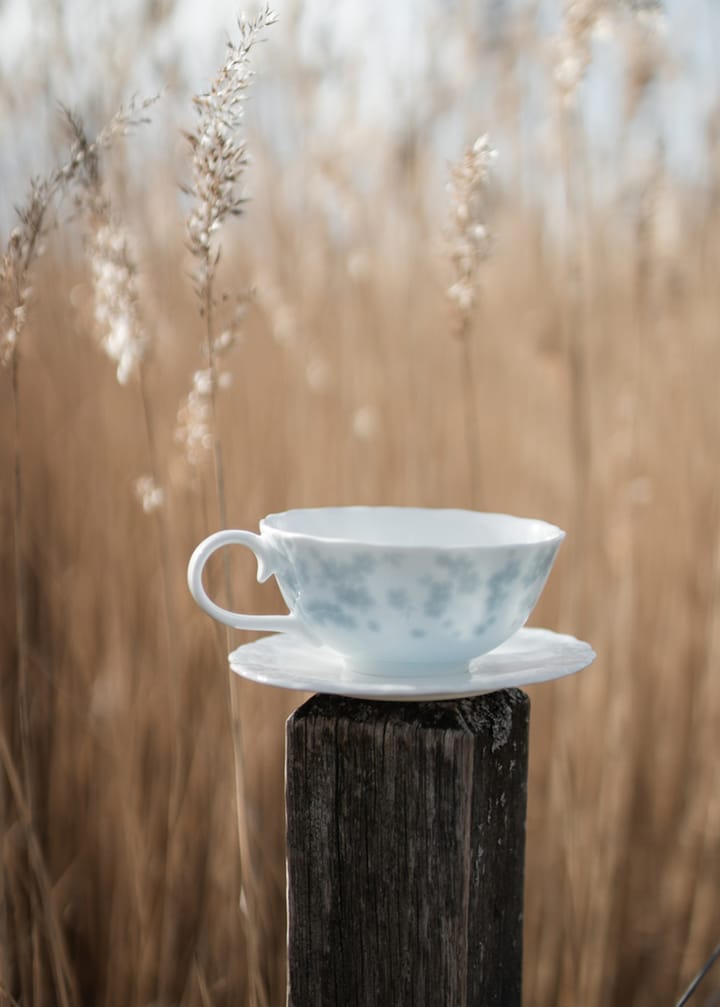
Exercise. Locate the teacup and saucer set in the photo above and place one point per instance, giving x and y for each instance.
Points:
(398, 603)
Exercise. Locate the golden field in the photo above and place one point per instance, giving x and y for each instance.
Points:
(594, 359)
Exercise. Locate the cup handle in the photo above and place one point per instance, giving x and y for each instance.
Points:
(263, 623)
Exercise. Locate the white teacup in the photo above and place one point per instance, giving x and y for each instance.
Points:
(404, 589)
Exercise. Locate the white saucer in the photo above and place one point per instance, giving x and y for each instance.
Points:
(531, 655)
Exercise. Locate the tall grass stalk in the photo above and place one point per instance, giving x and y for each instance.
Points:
(219, 157)
(15, 269)
(65, 985)
(575, 322)
(120, 332)
(622, 789)
(152, 498)
(23, 248)
(14, 276)
(589, 936)
(573, 58)
(469, 246)
(122, 335)
(18, 259)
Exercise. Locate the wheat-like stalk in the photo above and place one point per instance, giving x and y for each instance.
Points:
(112, 259)
(25, 242)
(219, 156)
(113, 264)
(119, 325)
(470, 244)
(24, 246)
(121, 335)
(581, 19)
(574, 45)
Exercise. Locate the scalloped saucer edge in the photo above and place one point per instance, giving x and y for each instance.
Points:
(528, 657)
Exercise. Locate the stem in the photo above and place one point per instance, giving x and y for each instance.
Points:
(219, 467)
(572, 325)
(170, 621)
(34, 220)
(472, 419)
(21, 601)
(174, 796)
(65, 986)
(257, 992)
(575, 342)
(5, 969)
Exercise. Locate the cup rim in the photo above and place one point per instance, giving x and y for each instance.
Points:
(553, 533)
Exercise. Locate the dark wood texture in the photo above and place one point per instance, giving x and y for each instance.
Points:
(405, 845)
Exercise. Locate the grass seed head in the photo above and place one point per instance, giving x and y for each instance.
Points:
(219, 147)
(115, 285)
(470, 241)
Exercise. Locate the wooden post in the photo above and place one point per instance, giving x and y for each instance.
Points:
(405, 848)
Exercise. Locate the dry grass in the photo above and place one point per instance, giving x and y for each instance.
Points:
(124, 870)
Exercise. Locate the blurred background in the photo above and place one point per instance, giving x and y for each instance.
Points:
(394, 318)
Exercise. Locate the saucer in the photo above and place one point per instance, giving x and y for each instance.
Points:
(530, 656)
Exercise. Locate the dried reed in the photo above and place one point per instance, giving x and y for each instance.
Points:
(120, 331)
(24, 246)
(219, 156)
(624, 816)
(470, 244)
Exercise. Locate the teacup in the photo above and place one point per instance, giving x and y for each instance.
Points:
(406, 590)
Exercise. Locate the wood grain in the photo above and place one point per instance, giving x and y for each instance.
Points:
(405, 846)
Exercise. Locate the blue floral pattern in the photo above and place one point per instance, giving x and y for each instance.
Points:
(501, 583)
(539, 568)
(464, 572)
(324, 612)
(439, 597)
(398, 597)
(412, 599)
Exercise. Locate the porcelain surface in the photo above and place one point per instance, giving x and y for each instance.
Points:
(530, 656)
(425, 589)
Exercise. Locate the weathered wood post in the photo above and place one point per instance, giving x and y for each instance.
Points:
(405, 849)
